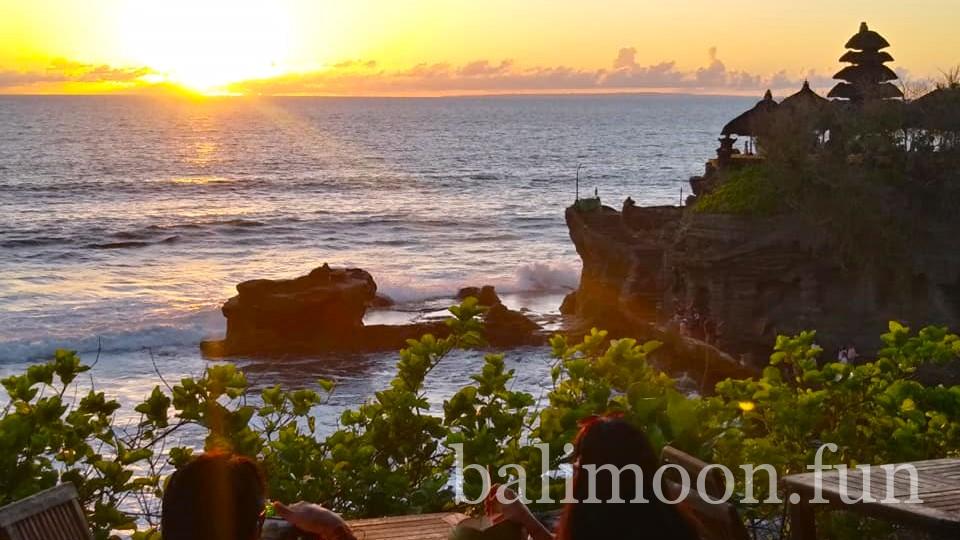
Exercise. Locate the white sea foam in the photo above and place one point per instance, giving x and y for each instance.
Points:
(409, 291)
(188, 330)
(547, 277)
(527, 278)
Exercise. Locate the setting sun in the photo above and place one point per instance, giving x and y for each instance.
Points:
(206, 45)
(438, 47)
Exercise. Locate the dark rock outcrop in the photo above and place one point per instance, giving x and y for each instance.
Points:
(320, 311)
(317, 313)
(486, 295)
(323, 312)
(755, 278)
(503, 327)
(381, 301)
(569, 304)
(390, 337)
(508, 328)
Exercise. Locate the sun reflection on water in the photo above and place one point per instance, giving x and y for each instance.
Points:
(200, 180)
(205, 153)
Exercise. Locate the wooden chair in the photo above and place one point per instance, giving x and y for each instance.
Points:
(719, 521)
(53, 514)
(714, 482)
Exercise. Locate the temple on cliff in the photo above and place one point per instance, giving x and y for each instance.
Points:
(718, 282)
(866, 82)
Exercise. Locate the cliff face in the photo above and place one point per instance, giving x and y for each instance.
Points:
(623, 257)
(756, 278)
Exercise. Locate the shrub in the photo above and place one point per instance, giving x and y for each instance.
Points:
(748, 191)
(393, 454)
(875, 412)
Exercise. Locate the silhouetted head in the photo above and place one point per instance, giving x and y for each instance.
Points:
(614, 441)
(214, 497)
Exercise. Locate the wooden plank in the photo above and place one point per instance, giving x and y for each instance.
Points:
(717, 521)
(53, 514)
(928, 481)
(36, 503)
(715, 483)
(938, 486)
(803, 523)
(424, 526)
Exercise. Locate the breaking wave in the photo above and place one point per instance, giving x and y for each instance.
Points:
(528, 278)
(186, 331)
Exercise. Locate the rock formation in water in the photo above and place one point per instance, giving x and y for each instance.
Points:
(508, 328)
(320, 311)
(502, 326)
(485, 295)
(754, 278)
(323, 312)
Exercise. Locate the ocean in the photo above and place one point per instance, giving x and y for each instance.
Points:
(126, 221)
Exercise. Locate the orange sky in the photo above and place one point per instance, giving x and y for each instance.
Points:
(357, 47)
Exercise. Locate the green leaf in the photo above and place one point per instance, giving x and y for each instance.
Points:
(681, 412)
(651, 346)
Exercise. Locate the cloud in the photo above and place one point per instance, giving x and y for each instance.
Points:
(715, 73)
(62, 71)
(11, 79)
(626, 58)
(367, 77)
(625, 74)
(426, 71)
(483, 68)
(628, 73)
(356, 64)
(77, 71)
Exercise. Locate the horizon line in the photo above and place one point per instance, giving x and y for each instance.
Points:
(567, 93)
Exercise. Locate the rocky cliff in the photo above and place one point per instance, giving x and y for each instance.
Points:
(756, 277)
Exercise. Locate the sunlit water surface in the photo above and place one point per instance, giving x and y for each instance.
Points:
(126, 221)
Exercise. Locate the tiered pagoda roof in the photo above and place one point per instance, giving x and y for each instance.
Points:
(867, 76)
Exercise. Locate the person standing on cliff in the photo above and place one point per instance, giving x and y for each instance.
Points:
(696, 326)
(710, 330)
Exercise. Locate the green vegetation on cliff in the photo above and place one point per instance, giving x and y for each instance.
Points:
(749, 191)
(873, 184)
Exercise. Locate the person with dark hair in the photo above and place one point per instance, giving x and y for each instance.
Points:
(607, 441)
(220, 496)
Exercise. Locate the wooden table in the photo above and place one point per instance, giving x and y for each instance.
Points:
(939, 489)
(424, 526)
(416, 527)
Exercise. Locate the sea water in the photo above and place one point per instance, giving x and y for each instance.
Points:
(125, 222)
